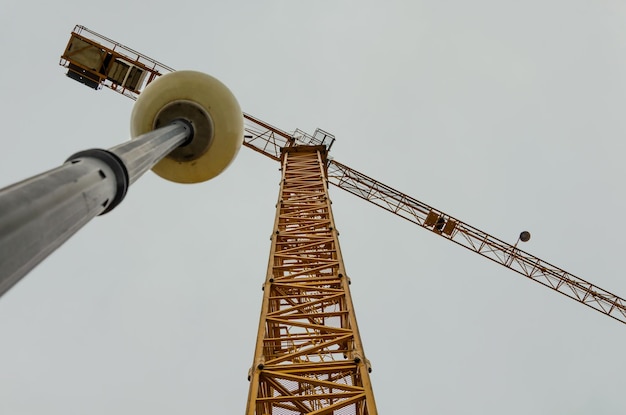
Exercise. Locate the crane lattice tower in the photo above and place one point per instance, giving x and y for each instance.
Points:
(309, 356)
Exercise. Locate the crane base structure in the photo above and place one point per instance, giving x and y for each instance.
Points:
(309, 357)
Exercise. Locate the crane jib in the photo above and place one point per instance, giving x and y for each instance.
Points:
(269, 141)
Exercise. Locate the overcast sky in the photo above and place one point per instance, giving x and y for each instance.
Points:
(507, 115)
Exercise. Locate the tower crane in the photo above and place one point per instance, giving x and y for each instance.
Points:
(309, 357)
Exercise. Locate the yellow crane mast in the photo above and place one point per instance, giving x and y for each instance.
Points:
(309, 356)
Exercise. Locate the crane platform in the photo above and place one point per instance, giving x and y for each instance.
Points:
(95, 61)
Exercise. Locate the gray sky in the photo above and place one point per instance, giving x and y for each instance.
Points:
(507, 115)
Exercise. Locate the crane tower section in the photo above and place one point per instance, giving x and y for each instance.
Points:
(309, 357)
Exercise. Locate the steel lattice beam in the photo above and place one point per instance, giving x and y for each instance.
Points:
(476, 240)
(308, 357)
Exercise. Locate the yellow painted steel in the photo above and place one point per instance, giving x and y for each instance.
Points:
(309, 357)
(210, 106)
